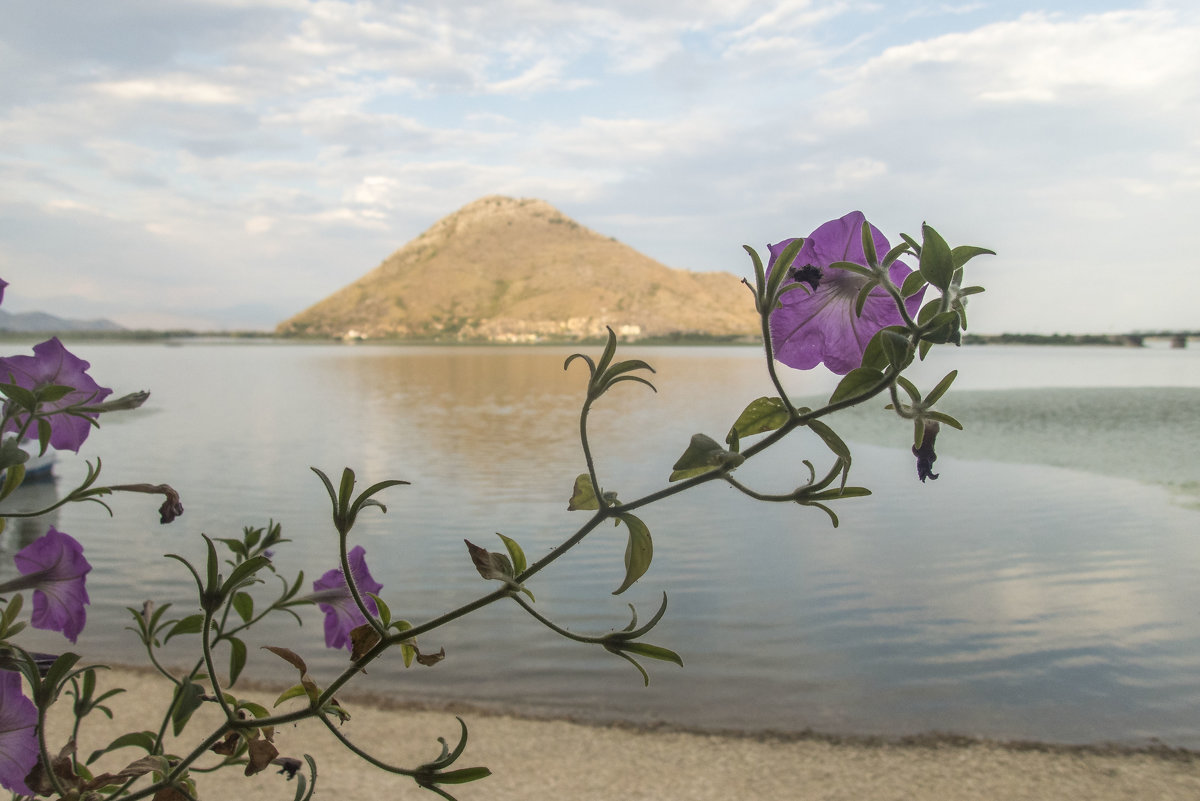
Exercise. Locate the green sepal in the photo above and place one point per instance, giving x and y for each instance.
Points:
(639, 551)
(937, 263)
(652, 652)
(834, 443)
(583, 494)
(863, 293)
(938, 391)
(942, 417)
(780, 270)
(851, 267)
(868, 244)
(856, 382)
(964, 253)
(896, 252)
(462, 775)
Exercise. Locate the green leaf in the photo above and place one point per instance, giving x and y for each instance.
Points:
(136, 739)
(14, 476)
(192, 624)
(187, 700)
(515, 553)
(937, 263)
(639, 551)
(20, 396)
(857, 382)
(583, 494)
(851, 267)
(763, 414)
(703, 455)
(243, 604)
(11, 453)
(912, 284)
(237, 659)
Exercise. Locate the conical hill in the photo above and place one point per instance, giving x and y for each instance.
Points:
(515, 270)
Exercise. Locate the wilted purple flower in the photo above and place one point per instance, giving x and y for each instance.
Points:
(821, 326)
(18, 739)
(54, 568)
(52, 364)
(3, 285)
(333, 598)
(925, 455)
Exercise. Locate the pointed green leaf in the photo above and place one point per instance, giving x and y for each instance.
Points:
(937, 264)
(515, 553)
(763, 414)
(583, 494)
(937, 392)
(857, 382)
(639, 551)
(237, 659)
(243, 604)
(912, 284)
(188, 698)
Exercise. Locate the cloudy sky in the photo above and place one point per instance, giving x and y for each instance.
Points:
(225, 163)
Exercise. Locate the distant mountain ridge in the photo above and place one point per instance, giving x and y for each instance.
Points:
(503, 269)
(40, 322)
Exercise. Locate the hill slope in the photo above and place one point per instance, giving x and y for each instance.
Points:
(510, 270)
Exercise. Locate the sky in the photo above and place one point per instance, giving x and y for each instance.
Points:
(224, 164)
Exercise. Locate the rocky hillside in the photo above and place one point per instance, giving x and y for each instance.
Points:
(517, 270)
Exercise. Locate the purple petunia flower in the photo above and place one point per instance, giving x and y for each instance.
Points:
(18, 738)
(821, 326)
(333, 598)
(54, 568)
(52, 364)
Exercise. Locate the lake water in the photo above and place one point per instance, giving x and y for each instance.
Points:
(1046, 587)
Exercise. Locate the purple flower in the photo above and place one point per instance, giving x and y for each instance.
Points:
(925, 455)
(18, 739)
(333, 598)
(52, 364)
(821, 326)
(54, 568)
(3, 285)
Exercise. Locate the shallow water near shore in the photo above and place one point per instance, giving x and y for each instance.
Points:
(1043, 588)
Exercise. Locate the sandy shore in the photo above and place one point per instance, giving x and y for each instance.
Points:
(533, 760)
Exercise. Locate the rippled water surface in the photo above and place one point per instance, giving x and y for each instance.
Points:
(1045, 587)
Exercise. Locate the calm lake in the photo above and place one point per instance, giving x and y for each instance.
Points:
(1046, 587)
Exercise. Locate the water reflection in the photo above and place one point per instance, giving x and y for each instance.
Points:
(1009, 598)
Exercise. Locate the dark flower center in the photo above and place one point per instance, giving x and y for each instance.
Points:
(808, 274)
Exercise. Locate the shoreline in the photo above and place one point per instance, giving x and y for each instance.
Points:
(538, 758)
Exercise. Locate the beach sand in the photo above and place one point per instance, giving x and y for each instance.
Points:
(532, 760)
